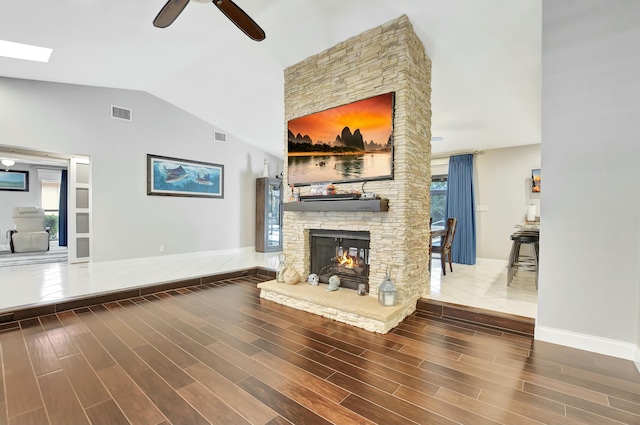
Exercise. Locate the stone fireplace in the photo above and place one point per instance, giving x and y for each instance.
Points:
(389, 58)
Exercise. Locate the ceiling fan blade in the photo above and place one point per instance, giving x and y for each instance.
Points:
(241, 19)
(169, 13)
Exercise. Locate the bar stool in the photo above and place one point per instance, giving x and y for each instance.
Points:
(517, 262)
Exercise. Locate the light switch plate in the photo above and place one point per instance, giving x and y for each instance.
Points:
(482, 208)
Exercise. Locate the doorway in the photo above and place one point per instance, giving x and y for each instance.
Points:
(44, 172)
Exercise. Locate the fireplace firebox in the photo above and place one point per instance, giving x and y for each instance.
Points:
(342, 253)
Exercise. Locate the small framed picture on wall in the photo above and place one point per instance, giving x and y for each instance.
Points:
(535, 180)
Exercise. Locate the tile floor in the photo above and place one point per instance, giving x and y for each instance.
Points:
(482, 285)
(46, 283)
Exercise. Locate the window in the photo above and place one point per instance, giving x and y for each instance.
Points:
(439, 200)
(50, 204)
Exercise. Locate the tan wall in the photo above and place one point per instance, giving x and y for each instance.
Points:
(389, 58)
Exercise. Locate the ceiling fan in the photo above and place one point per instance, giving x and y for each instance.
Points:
(173, 8)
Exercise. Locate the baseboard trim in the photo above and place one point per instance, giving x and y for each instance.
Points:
(609, 347)
(491, 262)
(187, 255)
(636, 359)
(486, 318)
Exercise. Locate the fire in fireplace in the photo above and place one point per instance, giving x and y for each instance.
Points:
(341, 253)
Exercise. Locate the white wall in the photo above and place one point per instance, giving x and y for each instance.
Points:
(127, 223)
(503, 184)
(10, 199)
(589, 281)
(636, 356)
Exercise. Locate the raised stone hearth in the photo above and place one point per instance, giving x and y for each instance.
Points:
(389, 58)
(343, 305)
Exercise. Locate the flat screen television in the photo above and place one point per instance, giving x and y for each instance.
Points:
(348, 143)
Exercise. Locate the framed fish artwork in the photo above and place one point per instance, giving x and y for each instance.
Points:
(14, 180)
(182, 177)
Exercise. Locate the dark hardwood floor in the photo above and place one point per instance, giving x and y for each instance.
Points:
(217, 354)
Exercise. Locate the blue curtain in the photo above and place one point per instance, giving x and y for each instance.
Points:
(62, 210)
(461, 205)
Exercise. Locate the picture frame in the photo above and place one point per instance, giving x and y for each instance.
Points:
(14, 181)
(344, 144)
(168, 176)
(535, 180)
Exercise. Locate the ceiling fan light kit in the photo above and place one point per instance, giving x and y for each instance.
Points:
(173, 8)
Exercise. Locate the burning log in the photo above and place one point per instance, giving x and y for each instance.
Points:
(348, 264)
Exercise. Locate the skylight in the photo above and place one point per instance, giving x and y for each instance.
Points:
(28, 52)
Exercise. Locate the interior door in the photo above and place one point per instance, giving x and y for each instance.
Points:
(80, 227)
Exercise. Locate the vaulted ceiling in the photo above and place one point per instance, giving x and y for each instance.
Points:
(485, 78)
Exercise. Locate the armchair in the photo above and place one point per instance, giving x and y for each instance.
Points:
(30, 234)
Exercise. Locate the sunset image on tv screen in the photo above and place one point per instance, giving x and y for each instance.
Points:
(346, 143)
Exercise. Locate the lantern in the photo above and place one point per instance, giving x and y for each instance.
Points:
(281, 268)
(387, 291)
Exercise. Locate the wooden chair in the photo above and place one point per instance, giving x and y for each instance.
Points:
(444, 249)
